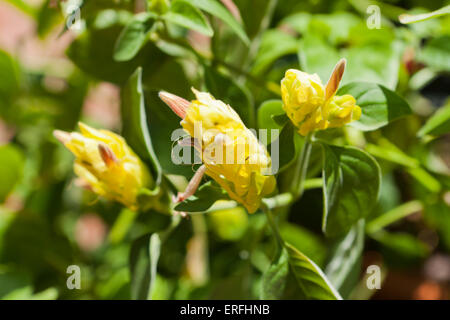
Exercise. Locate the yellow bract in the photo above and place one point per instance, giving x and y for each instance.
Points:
(106, 164)
(306, 103)
(231, 153)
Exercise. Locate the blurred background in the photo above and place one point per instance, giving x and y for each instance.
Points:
(51, 78)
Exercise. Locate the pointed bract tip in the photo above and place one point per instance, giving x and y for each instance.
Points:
(176, 103)
(62, 136)
(335, 78)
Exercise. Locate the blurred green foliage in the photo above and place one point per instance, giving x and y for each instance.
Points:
(398, 73)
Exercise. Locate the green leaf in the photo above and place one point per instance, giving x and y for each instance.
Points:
(438, 123)
(266, 120)
(11, 168)
(312, 282)
(374, 61)
(274, 279)
(93, 50)
(286, 147)
(186, 15)
(274, 45)
(206, 195)
(351, 187)
(379, 105)
(10, 81)
(304, 240)
(214, 8)
(231, 92)
(133, 37)
(134, 123)
(343, 267)
(436, 53)
(144, 256)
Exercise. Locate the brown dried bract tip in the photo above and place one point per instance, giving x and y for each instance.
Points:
(62, 136)
(335, 79)
(176, 103)
(107, 154)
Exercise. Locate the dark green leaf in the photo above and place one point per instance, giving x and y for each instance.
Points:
(214, 8)
(379, 105)
(203, 199)
(225, 88)
(351, 187)
(186, 15)
(133, 37)
(93, 50)
(134, 123)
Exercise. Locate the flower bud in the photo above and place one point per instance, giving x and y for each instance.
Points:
(312, 106)
(231, 153)
(106, 165)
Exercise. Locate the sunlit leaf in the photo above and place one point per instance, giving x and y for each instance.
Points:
(133, 37)
(379, 105)
(186, 15)
(134, 122)
(216, 9)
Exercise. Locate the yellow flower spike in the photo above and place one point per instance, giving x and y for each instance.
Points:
(312, 106)
(230, 152)
(106, 165)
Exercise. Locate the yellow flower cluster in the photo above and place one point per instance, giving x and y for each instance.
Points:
(231, 153)
(106, 165)
(312, 106)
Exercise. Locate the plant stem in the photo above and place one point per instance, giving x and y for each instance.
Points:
(394, 215)
(274, 228)
(301, 167)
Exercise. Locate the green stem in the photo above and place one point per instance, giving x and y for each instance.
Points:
(301, 167)
(394, 215)
(274, 228)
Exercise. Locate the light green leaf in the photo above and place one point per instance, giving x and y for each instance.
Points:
(343, 267)
(312, 282)
(133, 37)
(274, 45)
(379, 105)
(409, 18)
(348, 196)
(274, 279)
(304, 240)
(144, 256)
(11, 168)
(436, 53)
(186, 15)
(203, 199)
(134, 123)
(438, 123)
(214, 8)
(286, 147)
(266, 113)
